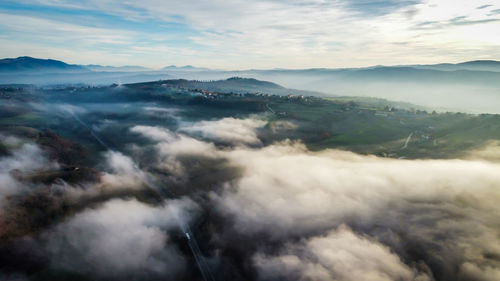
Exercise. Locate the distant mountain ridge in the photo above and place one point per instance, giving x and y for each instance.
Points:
(29, 64)
(184, 68)
(473, 86)
(125, 68)
(476, 65)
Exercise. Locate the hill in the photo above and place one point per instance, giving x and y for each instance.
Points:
(363, 125)
(231, 85)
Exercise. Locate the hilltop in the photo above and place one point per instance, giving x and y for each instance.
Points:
(231, 85)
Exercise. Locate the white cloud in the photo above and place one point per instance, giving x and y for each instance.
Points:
(475, 272)
(268, 34)
(154, 133)
(122, 173)
(445, 209)
(490, 152)
(60, 32)
(26, 158)
(229, 130)
(285, 185)
(171, 145)
(163, 112)
(122, 238)
(339, 255)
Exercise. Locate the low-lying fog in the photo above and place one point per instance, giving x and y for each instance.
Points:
(463, 90)
(452, 92)
(230, 208)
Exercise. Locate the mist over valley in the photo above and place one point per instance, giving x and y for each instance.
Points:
(264, 140)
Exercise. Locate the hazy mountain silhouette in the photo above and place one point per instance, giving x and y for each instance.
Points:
(29, 64)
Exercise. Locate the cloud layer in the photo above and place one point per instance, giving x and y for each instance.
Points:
(275, 212)
(338, 255)
(25, 158)
(121, 239)
(443, 209)
(302, 215)
(228, 130)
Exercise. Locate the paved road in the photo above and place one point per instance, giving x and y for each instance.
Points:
(270, 109)
(161, 191)
(407, 141)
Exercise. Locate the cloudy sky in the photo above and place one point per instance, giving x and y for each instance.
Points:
(241, 34)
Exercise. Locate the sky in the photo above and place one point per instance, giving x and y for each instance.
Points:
(243, 34)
